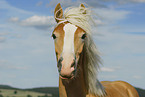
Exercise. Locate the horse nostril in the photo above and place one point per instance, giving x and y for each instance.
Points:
(59, 64)
(73, 65)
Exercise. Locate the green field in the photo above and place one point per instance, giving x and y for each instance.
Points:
(21, 93)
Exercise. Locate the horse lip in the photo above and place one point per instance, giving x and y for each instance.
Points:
(66, 78)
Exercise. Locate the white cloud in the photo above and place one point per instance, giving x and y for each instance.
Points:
(137, 77)
(108, 77)
(5, 64)
(14, 19)
(130, 1)
(105, 16)
(109, 16)
(122, 43)
(106, 69)
(39, 22)
(92, 3)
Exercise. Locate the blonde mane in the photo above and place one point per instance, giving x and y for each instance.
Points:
(91, 62)
(81, 17)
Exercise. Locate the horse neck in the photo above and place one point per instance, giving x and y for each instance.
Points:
(86, 82)
(77, 86)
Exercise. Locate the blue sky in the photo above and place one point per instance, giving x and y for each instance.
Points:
(27, 57)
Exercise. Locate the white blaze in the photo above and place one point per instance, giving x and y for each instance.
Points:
(69, 30)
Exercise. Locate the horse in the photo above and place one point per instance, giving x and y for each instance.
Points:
(78, 59)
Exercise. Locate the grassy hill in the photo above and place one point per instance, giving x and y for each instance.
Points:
(8, 91)
(141, 92)
(50, 90)
(21, 93)
(6, 87)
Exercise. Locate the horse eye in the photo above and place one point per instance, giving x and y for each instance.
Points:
(83, 36)
(53, 35)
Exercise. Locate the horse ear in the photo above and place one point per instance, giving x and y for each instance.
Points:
(82, 5)
(58, 13)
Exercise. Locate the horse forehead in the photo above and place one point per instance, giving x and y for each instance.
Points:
(69, 29)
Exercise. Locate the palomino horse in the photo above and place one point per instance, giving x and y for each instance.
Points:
(78, 60)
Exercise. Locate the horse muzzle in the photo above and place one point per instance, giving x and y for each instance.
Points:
(67, 67)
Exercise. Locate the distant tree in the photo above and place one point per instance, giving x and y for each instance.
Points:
(1, 95)
(15, 92)
(29, 96)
